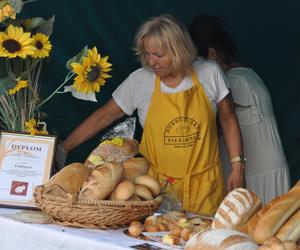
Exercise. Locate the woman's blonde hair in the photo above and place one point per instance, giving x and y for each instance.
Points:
(169, 35)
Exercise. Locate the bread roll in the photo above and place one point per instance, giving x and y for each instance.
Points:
(277, 215)
(150, 182)
(225, 239)
(236, 209)
(68, 180)
(291, 229)
(135, 229)
(102, 181)
(115, 150)
(135, 167)
(143, 192)
(123, 191)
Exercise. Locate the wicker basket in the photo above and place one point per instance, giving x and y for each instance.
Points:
(104, 214)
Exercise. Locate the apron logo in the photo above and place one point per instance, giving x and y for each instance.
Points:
(181, 131)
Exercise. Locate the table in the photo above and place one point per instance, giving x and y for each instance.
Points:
(17, 235)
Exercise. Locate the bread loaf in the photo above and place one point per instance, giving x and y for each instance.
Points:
(143, 192)
(291, 229)
(251, 224)
(68, 180)
(102, 181)
(274, 243)
(277, 215)
(150, 182)
(123, 191)
(225, 239)
(236, 209)
(114, 150)
(135, 167)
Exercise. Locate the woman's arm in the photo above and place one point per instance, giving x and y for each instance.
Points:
(233, 139)
(97, 121)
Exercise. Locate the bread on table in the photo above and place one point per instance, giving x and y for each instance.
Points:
(224, 238)
(102, 181)
(272, 220)
(236, 209)
(251, 224)
(114, 150)
(291, 228)
(135, 167)
(274, 243)
(68, 180)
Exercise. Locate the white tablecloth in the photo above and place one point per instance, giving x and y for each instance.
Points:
(16, 235)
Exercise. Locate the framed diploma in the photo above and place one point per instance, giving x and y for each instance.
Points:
(25, 162)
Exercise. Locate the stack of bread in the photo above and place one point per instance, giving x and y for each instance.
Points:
(110, 172)
(273, 226)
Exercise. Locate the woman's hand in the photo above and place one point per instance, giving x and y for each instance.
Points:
(237, 176)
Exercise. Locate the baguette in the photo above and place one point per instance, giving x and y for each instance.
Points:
(251, 224)
(277, 214)
(291, 229)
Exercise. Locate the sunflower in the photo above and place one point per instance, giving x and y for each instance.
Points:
(7, 12)
(31, 127)
(20, 85)
(42, 44)
(91, 74)
(14, 42)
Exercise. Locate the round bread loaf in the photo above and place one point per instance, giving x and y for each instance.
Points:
(150, 182)
(123, 191)
(236, 209)
(135, 167)
(225, 239)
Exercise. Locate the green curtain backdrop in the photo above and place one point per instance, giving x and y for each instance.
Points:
(267, 34)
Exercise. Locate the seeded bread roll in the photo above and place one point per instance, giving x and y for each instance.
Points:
(114, 150)
(236, 209)
(68, 180)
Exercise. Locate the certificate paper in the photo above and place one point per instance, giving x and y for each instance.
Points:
(25, 162)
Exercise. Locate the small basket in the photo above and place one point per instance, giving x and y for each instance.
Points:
(104, 214)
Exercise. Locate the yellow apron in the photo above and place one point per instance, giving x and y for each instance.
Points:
(180, 141)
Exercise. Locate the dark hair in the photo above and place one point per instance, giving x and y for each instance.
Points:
(208, 31)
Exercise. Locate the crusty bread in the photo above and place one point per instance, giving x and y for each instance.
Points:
(102, 181)
(274, 243)
(291, 229)
(114, 150)
(135, 167)
(251, 224)
(236, 209)
(225, 239)
(68, 180)
(123, 191)
(277, 215)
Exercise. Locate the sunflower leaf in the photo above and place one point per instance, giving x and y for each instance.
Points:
(47, 26)
(17, 5)
(77, 58)
(34, 23)
(5, 84)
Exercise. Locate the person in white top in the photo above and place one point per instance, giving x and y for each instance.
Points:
(177, 98)
(267, 171)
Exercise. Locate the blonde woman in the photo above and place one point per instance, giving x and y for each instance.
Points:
(177, 98)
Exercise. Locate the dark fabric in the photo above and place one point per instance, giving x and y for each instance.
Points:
(267, 35)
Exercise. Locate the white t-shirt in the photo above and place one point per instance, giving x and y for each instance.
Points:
(136, 91)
